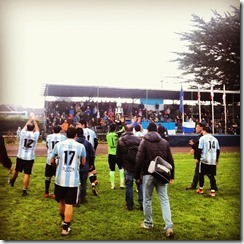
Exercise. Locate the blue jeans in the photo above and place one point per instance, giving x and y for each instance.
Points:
(149, 182)
(129, 179)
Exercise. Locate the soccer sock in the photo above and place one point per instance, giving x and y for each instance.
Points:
(66, 225)
(111, 174)
(92, 178)
(62, 216)
(47, 185)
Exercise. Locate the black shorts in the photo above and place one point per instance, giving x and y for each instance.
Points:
(50, 171)
(68, 194)
(207, 169)
(25, 165)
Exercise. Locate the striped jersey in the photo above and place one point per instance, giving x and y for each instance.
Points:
(112, 140)
(69, 154)
(27, 144)
(209, 145)
(90, 135)
(51, 140)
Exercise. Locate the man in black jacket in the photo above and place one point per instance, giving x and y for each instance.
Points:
(126, 151)
(150, 147)
(87, 170)
(194, 146)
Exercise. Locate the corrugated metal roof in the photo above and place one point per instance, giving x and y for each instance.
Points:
(113, 92)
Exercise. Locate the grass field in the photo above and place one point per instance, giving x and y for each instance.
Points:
(195, 217)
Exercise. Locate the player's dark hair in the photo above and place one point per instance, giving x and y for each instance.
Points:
(207, 129)
(71, 132)
(112, 127)
(83, 122)
(57, 129)
(30, 127)
(79, 132)
(137, 128)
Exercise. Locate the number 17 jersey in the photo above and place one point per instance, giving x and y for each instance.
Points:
(69, 153)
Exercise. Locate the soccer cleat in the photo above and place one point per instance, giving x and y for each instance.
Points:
(199, 191)
(112, 187)
(169, 232)
(146, 226)
(46, 195)
(24, 193)
(94, 191)
(122, 186)
(53, 196)
(11, 182)
(66, 232)
(212, 193)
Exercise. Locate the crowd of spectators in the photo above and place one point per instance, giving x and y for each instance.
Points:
(102, 114)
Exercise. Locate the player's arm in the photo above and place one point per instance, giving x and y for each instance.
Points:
(83, 161)
(218, 152)
(36, 125)
(54, 157)
(95, 143)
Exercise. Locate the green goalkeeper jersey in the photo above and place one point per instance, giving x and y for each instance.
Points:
(112, 140)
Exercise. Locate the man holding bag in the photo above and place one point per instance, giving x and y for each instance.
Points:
(152, 146)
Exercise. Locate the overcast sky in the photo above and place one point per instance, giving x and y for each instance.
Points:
(114, 43)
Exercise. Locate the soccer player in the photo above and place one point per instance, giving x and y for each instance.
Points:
(70, 155)
(112, 140)
(208, 158)
(29, 136)
(51, 141)
(90, 136)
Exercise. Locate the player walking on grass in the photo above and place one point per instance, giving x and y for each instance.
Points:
(112, 140)
(51, 141)
(70, 156)
(90, 136)
(88, 167)
(26, 153)
(196, 151)
(208, 158)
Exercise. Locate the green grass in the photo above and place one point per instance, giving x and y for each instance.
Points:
(195, 217)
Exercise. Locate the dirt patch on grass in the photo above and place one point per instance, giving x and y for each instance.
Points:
(41, 150)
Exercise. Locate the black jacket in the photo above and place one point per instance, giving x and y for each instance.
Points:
(197, 152)
(151, 146)
(90, 153)
(127, 147)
